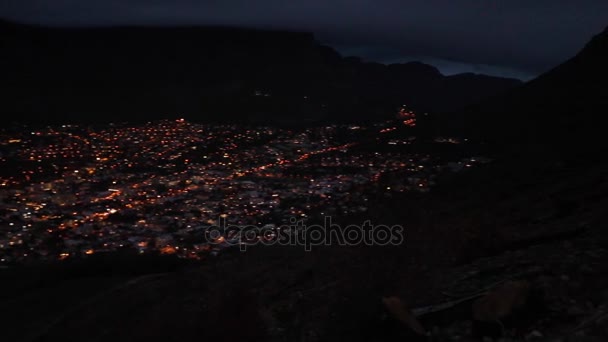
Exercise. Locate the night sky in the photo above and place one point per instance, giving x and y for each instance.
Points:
(517, 38)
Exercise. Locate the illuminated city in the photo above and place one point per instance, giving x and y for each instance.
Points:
(72, 191)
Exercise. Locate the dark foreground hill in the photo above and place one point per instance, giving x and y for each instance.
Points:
(207, 74)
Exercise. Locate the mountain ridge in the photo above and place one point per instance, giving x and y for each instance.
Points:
(560, 110)
(212, 74)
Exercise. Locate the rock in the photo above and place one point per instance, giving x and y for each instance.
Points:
(534, 335)
(403, 314)
(501, 302)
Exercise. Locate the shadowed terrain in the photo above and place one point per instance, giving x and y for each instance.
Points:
(536, 215)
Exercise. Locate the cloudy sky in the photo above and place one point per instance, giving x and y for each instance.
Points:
(518, 38)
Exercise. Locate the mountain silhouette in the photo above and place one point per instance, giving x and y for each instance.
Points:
(211, 74)
(563, 110)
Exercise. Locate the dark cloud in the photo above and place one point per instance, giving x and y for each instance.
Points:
(520, 36)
